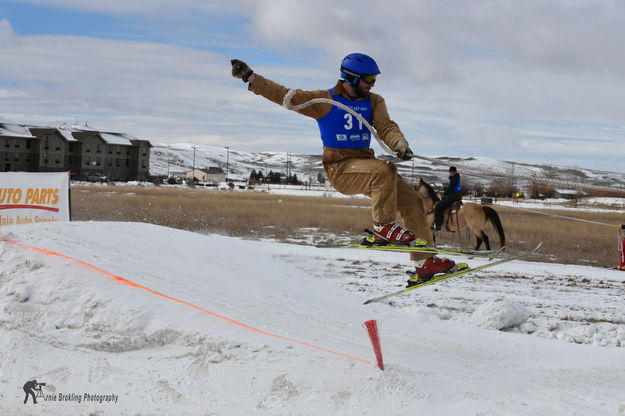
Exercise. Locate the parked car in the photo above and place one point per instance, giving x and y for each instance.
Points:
(97, 177)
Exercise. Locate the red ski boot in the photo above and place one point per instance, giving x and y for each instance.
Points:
(431, 267)
(392, 233)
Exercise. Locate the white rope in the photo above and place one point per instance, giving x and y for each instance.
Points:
(533, 178)
(618, 230)
(560, 216)
(493, 172)
(287, 104)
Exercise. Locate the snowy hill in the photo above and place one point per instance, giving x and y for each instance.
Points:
(175, 322)
(179, 158)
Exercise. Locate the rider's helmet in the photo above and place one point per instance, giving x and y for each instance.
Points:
(357, 66)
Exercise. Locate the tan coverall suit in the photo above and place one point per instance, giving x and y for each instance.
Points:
(357, 171)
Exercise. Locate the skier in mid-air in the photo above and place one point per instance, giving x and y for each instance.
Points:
(348, 160)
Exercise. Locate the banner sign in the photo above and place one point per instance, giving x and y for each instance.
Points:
(30, 198)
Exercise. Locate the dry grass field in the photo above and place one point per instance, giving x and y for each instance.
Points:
(308, 220)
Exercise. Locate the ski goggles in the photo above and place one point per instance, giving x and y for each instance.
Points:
(369, 79)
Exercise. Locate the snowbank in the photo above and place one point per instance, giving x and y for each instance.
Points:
(279, 332)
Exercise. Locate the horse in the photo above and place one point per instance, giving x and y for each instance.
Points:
(474, 216)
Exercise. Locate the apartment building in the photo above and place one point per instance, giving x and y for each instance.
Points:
(83, 152)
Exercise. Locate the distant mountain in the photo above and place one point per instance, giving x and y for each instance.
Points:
(177, 159)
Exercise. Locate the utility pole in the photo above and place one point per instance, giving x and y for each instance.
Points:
(227, 162)
(513, 179)
(193, 171)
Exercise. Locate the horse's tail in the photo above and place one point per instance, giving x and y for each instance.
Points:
(492, 215)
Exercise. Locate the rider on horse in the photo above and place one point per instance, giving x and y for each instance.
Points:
(451, 194)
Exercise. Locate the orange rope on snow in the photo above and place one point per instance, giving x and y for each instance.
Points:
(131, 283)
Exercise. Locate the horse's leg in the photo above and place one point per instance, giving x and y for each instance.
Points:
(465, 220)
(475, 220)
(479, 243)
(485, 238)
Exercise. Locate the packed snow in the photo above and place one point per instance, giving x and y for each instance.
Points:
(175, 322)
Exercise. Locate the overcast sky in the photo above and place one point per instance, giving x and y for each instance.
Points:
(528, 81)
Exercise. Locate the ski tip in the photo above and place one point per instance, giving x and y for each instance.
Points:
(496, 253)
(373, 300)
(325, 245)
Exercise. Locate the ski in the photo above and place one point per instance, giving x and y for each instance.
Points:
(419, 249)
(457, 267)
(457, 273)
(366, 245)
(419, 246)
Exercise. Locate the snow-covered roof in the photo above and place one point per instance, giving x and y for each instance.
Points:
(15, 130)
(67, 134)
(117, 138)
(76, 127)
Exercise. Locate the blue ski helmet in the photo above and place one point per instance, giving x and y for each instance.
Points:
(355, 65)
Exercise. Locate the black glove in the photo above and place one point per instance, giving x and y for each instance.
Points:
(241, 70)
(403, 150)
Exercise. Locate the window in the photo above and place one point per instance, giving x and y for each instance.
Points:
(17, 143)
(143, 165)
(117, 162)
(87, 161)
(98, 148)
(88, 147)
(57, 159)
(45, 144)
(127, 163)
(7, 142)
(109, 161)
(110, 149)
(97, 161)
(119, 150)
(16, 156)
(58, 145)
(7, 156)
(29, 144)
